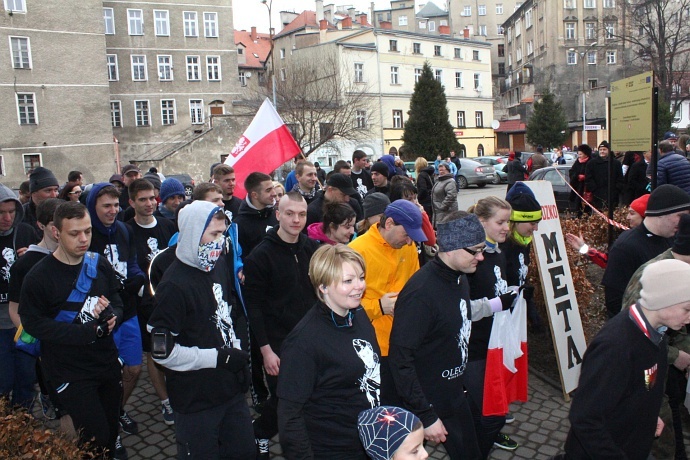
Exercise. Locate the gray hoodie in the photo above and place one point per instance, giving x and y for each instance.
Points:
(6, 194)
(192, 222)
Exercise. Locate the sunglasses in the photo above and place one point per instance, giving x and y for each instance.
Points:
(474, 252)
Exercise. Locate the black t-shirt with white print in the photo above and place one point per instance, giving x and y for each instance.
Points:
(20, 237)
(21, 267)
(70, 351)
(334, 371)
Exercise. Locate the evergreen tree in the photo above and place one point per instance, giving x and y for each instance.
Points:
(428, 132)
(547, 125)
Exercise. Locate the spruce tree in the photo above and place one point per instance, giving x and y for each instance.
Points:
(428, 132)
(547, 125)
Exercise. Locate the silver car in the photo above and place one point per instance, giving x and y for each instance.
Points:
(474, 173)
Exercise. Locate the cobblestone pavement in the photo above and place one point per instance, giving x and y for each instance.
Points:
(540, 426)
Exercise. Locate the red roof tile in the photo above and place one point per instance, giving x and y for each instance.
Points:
(262, 48)
(306, 19)
(511, 126)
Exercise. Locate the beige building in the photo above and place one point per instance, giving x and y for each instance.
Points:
(53, 90)
(430, 19)
(253, 52)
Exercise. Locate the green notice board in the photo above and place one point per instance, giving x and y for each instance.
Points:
(631, 113)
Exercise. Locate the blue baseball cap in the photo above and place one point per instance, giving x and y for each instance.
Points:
(408, 215)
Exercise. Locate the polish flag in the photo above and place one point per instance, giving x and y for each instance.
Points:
(266, 144)
(505, 378)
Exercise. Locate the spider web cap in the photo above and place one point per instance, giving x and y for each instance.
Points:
(383, 429)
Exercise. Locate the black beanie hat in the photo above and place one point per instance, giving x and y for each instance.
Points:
(42, 178)
(681, 244)
(667, 199)
(380, 167)
(525, 207)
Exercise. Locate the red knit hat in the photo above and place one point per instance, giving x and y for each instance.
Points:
(640, 204)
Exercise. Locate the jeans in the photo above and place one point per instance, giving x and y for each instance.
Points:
(18, 371)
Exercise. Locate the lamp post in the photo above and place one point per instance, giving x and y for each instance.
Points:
(269, 4)
(584, 88)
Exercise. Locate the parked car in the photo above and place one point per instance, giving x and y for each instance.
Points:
(474, 173)
(501, 177)
(527, 155)
(561, 191)
(186, 180)
(491, 160)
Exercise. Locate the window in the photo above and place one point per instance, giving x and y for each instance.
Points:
(21, 52)
(592, 83)
(282, 53)
(475, 55)
(479, 119)
(161, 19)
(457, 52)
(461, 119)
(16, 6)
(590, 3)
(109, 20)
(510, 35)
(610, 30)
(141, 113)
(570, 31)
(190, 24)
(499, 30)
(359, 72)
(610, 57)
(116, 114)
(501, 68)
(240, 51)
(609, 3)
(591, 57)
(392, 45)
(135, 21)
(193, 68)
(111, 60)
(482, 31)
(528, 19)
(31, 162)
(518, 55)
(325, 131)
(458, 80)
(243, 78)
(196, 111)
(168, 112)
(437, 50)
(417, 75)
(501, 50)
(361, 119)
(477, 81)
(569, 4)
(590, 31)
(422, 24)
(417, 48)
(213, 68)
(402, 20)
(432, 26)
(283, 75)
(211, 25)
(139, 67)
(165, 68)
(530, 48)
(571, 58)
(482, 10)
(518, 28)
(394, 75)
(438, 74)
(467, 10)
(26, 109)
(397, 119)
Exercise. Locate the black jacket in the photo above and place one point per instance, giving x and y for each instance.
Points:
(252, 225)
(425, 182)
(515, 171)
(637, 180)
(315, 210)
(597, 180)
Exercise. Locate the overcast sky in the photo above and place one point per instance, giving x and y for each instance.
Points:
(250, 13)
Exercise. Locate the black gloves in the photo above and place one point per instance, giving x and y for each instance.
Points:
(507, 299)
(527, 292)
(232, 359)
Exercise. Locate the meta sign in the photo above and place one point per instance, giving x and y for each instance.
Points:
(558, 288)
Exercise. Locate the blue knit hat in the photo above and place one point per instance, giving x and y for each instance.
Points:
(171, 187)
(383, 429)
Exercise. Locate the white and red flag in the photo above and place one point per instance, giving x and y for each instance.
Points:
(266, 144)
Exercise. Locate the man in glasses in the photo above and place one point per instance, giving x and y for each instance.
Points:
(431, 333)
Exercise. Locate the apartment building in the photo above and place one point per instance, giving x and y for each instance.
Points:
(430, 19)
(253, 52)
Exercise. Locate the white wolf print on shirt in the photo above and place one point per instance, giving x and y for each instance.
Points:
(152, 243)
(522, 271)
(86, 313)
(120, 266)
(370, 383)
(9, 256)
(223, 320)
(501, 286)
(463, 336)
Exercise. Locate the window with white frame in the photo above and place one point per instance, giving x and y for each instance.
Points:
(190, 24)
(499, 29)
(518, 28)
(109, 20)
(475, 55)
(397, 119)
(422, 24)
(359, 72)
(457, 53)
(31, 162)
(482, 31)
(461, 118)
(392, 45)
(479, 119)
(610, 28)
(592, 83)
(437, 50)
(501, 50)
(161, 20)
(165, 68)
(591, 57)
(15, 6)
(482, 10)
(2, 166)
(402, 20)
(438, 75)
(193, 71)
(211, 25)
(477, 81)
(417, 75)
(394, 75)
(458, 80)
(116, 114)
(499, 8)
(361, 119)
(432, 26)
(530, 48)
(21, 52)
(609, 3)
(26, 109)
(590, 31)
(510, 60)
(467, 10)
(282, 53)
(528, 19)
(139, 67)
(196, 111)
(417, 48)
(571, 58)
(213, 68)
(111, 61)
(168, 112)
(569, 4)
(590, 3)
(141, 113)
(135, 22)
(570, 31)
(283, 74)
(611, 57)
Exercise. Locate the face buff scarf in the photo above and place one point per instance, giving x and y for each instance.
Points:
(209, 254)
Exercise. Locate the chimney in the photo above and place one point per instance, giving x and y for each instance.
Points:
(319, 10)
(444, 30)
(347, 23)
(323, 24)
(371, 12)
(466, 33)
(351, 13)
(363, 19)
(386, 25)
(253, 33)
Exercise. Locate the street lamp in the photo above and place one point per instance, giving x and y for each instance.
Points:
(269, 4)
(584, 89)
